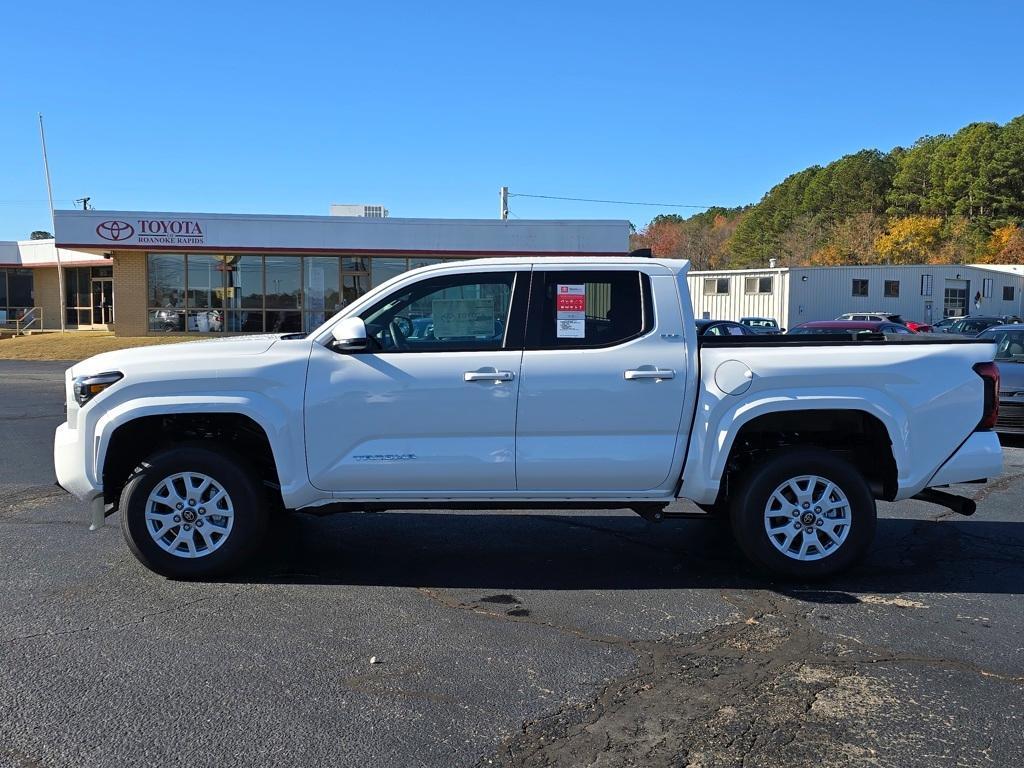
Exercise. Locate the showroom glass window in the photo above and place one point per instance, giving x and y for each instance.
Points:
(251, 293)
(15, 293)
(204, 295)
(321, 278)
(283, 280)
(165, 292)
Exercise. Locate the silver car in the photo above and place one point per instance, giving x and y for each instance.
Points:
(1009, 341)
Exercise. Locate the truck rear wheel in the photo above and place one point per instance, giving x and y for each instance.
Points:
(190, 512)
(803, 513)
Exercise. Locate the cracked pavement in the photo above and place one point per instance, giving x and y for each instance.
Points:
(504, 638)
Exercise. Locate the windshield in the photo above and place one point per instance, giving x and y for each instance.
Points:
(1009, 344)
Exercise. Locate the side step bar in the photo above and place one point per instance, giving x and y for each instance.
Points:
(958, 504)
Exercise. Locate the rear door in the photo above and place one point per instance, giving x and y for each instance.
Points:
(603, 380)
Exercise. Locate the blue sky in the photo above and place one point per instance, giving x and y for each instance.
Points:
(430, 107)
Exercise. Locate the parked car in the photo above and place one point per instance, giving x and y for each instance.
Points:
(822, 327)
(881, 317)
(872, 317)
(1009, 341)
(946, 323)
(199, 446)
(723, 328)
(762, 325)
(172, 320)
(973, 325)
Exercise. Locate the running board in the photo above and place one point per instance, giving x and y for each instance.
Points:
(958, 504)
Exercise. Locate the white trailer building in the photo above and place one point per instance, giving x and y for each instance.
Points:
(922, 292)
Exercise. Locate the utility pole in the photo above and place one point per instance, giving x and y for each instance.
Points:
(53, 223)
(504, 202)
(85, 203)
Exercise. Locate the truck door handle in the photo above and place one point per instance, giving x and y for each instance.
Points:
(488, 374)
(650, 373)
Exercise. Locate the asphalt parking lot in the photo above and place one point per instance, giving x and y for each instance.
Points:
(509, 639)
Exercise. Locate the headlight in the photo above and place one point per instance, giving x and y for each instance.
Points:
(87, 387)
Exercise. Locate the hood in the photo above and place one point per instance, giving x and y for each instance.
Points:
(175, 356)
(1011, 376)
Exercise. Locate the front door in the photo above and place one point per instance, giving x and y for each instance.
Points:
(102, 301)
(431, 407)
(603, 383)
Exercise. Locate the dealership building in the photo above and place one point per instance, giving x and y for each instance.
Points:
(140, 272)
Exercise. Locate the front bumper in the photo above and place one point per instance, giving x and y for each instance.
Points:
(71, 464)
(979, 458)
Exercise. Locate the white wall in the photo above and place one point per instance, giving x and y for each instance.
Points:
(827, 292)
(737, 302)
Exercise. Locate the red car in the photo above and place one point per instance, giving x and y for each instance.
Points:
(918, 327)
(847, 326)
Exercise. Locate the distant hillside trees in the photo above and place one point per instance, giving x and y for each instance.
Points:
(946, 199)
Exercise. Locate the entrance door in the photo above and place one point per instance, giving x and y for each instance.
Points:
(102, 301)
(603, 387)
(430, 407)
(955, 299)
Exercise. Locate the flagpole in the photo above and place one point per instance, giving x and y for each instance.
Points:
(53, 223)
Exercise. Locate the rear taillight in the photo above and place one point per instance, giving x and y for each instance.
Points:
(989, 373)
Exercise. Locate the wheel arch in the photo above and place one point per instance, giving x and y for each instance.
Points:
(715, 447)
(124, 436)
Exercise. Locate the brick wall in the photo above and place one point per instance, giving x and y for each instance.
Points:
(130, 317)
(46, 295)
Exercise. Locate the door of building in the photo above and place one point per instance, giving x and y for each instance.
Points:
(955, 298)
(102, 301)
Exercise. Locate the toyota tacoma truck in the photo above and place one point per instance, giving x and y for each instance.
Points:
(544, 383)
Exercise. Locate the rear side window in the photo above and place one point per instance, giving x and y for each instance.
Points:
(588, 309)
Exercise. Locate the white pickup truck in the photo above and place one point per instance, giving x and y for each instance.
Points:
(538, 383)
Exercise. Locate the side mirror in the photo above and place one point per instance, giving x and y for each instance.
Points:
(350, 335)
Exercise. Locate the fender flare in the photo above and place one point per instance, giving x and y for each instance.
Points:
(285, 439)
(712, 441)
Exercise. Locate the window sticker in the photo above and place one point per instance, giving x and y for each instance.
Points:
(462, 318)
(571, 311)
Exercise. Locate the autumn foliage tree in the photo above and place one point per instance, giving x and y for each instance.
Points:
(909, 240)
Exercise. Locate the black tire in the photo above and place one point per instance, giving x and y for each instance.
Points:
(754, 489)
(243, 487)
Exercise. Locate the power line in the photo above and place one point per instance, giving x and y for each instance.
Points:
(612, 202)
(35, 202)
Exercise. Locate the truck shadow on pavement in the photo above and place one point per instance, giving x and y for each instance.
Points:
(572, 551)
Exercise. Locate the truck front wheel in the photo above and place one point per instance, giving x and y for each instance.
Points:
(803, 513)
(189, 512)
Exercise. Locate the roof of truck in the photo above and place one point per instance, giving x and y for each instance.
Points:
(675, 265)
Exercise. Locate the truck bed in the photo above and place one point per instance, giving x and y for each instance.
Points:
(835, 340)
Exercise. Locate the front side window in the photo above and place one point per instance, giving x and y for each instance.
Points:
(860, 287)
(449, 313)
(589, 309)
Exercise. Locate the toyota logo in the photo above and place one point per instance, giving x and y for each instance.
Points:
(115, 230)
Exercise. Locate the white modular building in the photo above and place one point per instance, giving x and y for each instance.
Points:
(922, 292)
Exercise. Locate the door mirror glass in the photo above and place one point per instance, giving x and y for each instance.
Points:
(350, 335)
